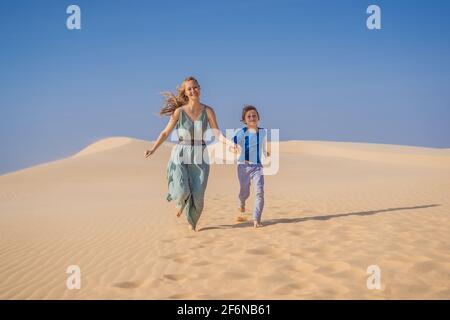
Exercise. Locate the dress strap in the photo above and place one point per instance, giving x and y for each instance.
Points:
(203, 111)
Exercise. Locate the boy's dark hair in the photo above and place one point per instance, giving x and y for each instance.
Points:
(246, 109)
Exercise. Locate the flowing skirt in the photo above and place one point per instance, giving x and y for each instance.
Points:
(187, 177)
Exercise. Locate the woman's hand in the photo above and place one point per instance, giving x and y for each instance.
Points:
(165, 133)
(235, 149)
(148, 153)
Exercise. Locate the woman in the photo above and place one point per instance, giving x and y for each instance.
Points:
(187, 170)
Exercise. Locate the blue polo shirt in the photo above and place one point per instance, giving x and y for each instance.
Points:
(251, 144)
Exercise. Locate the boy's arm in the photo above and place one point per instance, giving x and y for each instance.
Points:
(265, 151)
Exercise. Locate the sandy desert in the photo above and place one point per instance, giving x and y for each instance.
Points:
(332, 210)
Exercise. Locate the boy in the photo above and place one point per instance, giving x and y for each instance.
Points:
(252, 141)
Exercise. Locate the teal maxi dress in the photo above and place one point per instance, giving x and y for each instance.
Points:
(188, 167)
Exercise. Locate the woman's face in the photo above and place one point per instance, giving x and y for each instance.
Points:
(192, 90)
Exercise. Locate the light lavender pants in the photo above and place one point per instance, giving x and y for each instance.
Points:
(247, 174)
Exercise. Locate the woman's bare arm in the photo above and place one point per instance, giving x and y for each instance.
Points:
(213, 124)
(165, 133)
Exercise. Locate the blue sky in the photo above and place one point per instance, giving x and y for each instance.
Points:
(312, 68)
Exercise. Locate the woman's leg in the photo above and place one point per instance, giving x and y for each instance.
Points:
(198, 180)
(178, 183)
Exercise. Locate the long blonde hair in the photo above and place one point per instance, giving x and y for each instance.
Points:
(173, 102)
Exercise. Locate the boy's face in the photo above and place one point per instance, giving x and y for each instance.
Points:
(251, 118)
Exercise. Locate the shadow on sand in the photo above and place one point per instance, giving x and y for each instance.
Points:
(270, 222)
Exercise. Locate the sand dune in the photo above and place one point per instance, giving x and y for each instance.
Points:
(332, 210)
(104, 144)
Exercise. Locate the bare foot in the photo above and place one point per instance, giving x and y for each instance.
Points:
(257, 224)
(191, 228)
(241, 217)
(179, 212)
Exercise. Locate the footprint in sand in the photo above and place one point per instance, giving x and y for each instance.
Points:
(261, 251)
(185, 296)
(177, 257)
(167, 240)
(287, 289)
(201, 263)
(200, 246)
(235, 275)
(334, 267)
(128, 284)
(272, 253)
(175, 277)
(295, 233)
(208, 242)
